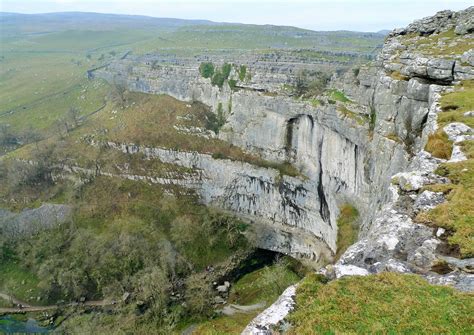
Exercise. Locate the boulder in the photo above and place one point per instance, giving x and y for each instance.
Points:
(455, 130)
(440, 69)
(349, 270)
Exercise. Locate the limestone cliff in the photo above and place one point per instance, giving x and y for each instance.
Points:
(404, 87)
(347, 150)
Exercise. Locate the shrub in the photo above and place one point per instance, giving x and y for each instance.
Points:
(373, 118)
(206, 70)
(232, 84)
(220, 76)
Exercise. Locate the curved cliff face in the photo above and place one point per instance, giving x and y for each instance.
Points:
(403, 87)
(347, 151)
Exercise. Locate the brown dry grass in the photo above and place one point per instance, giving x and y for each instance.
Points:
(439, 145)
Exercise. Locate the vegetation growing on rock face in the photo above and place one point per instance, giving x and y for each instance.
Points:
(347, 228)
(221, 75)
(309, 84)
(383, 303)
(338, 96)
(456, 103)
(398, 76)
(242, 72)
(453, 107)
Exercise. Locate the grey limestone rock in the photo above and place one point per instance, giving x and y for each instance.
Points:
(32, 221)
(428, 200)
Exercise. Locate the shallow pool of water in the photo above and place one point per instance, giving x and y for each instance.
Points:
(11, 325)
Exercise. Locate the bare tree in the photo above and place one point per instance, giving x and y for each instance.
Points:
(119, 90)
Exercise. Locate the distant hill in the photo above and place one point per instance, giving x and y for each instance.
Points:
(15, 23)
(384, 32)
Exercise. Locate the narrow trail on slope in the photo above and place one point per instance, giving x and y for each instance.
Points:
(232, 309)
(25, 307)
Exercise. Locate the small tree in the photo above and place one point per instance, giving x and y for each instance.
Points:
(119, 90)
(198, 295)
(206, 70)
(301, 83)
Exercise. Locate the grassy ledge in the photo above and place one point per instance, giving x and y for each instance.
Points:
(346, 228)
(386, 303)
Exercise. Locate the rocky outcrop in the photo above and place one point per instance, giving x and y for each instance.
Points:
(348, 151)
(273, 315)
(285, 210)
(31, 221)
(406, 107)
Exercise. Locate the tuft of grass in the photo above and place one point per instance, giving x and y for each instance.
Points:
(398, 76)
(346, 112)
(468, 148)
(347, 228)
(338, 96)
(386, 303)
(315, 102)
(439, 145)
(394, 137)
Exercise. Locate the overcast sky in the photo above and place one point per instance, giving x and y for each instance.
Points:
(361, 15)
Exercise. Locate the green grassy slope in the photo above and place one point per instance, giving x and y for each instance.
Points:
(386, 303)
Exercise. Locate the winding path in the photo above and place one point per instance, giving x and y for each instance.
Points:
(28, 308)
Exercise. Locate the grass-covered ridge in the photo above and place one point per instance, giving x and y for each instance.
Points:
(456, 214)
(386, 303)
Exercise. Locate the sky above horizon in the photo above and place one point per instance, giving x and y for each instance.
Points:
(359, 15)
